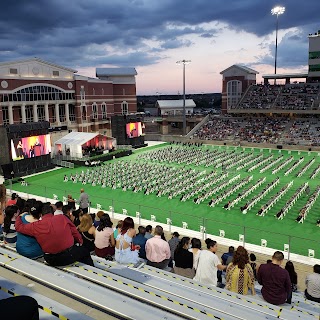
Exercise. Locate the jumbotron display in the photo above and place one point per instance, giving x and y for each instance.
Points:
(29, 147)
(134, 129)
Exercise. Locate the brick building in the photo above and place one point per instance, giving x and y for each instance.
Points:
(236, 80)
(34, 90)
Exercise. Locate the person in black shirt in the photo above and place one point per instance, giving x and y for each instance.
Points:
(183, 259)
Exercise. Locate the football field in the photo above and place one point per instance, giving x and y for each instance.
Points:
(259, 177)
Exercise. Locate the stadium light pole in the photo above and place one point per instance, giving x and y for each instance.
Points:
(184, 62)
(278, 10)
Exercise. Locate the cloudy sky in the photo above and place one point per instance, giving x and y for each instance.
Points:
(151, 35)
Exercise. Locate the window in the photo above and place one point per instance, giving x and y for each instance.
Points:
(29, 113)
(62, 112)
(314, 68)
(55, 73)
(72, 112)
(104, 111)
(314, 55)
(40, 93)
(234, 91)
(5, 115)
(94, 111)
(13, 71)
(84, 112)
(124, 107)
(41, 113)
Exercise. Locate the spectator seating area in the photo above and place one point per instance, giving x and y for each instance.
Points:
(137, 291)
(264, 129)
(299, 96)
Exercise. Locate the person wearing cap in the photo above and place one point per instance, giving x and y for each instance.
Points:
(173, 243)
(26, 245)
(141, 240)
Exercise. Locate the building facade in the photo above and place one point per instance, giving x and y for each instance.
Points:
(34, 90)
(314, 57)
(235, 81)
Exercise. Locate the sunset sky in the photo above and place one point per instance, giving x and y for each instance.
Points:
(152, 35)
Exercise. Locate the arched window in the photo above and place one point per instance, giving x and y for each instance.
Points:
(94, 111)
(124, 107)
(104, 110)
(234, 92)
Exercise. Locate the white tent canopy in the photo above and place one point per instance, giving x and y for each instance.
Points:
(73, 143)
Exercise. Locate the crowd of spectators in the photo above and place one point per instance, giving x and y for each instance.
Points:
(250, 129)
(300, 96)
(62, 235)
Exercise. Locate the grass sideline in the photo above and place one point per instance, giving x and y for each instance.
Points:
(301, 237)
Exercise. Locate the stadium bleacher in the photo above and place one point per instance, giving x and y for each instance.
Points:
(145, 290)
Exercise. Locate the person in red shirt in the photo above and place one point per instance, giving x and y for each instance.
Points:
(57, 236)
(13, 200)
(275, 281)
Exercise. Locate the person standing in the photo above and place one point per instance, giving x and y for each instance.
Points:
(57, 236)
(275, 281)
(158, 250)
(209, 264)
(83, 201)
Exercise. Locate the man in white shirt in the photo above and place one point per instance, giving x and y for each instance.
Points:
(157, 250)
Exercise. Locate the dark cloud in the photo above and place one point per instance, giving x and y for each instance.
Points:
(87, 33)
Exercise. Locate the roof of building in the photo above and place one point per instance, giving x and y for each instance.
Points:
(76, 138)
(175, 103)
(105, 72)
(244, 68)
(37, 60)
(285, 75)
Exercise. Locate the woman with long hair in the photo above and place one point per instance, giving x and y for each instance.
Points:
(87, 231)
(195, 249)
(27, 245)
(239, 275)
(183, 259)
(8, 227)
(104, 242)
(293, 275)
(125, 252)
(209, 264)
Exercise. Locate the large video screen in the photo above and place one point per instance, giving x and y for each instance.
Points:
(134, 129)
(29, 147)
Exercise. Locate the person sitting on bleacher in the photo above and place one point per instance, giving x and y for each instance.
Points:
(26, 245)
(56, 236)
(125, 251)
(158, 250)
(8, 227)
(275, 281)
(104, 239)
(87, 231)
(183, 259)
(239, 274)
(313, 284)
(141, 240)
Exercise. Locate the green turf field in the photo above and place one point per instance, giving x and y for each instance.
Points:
(301, 237)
